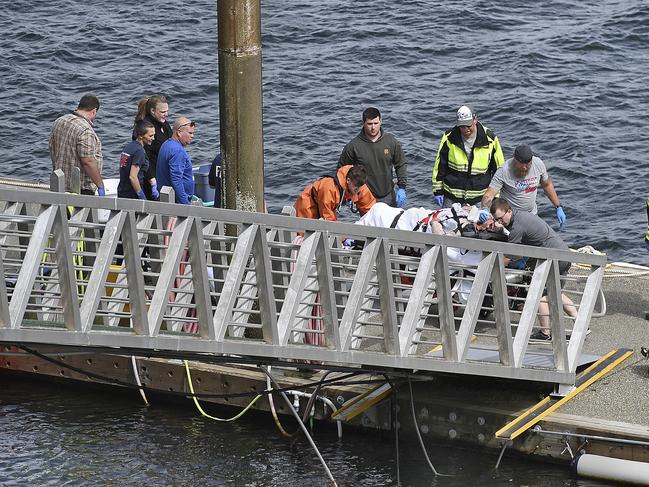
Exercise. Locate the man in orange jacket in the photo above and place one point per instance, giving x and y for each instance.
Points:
(323, 198)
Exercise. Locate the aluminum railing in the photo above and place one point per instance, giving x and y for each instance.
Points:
(153, 275)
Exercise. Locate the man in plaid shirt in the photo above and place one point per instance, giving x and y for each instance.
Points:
(74, 143)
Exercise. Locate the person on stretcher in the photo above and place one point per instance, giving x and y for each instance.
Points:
(457, 221)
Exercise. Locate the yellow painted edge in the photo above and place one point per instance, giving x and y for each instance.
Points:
(572, 394)
(356, 399)
(353, 401)
(368, 405)
(595, 364)
(522, 415)
(439, 347)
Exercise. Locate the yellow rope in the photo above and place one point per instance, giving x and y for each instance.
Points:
(77, 258)
(198, 406)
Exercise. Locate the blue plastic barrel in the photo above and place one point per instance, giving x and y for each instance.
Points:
(201, 184)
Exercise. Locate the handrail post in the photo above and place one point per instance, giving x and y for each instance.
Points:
(57, 181)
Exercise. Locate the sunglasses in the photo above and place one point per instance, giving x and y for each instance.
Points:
(191, 124)
(500, 219)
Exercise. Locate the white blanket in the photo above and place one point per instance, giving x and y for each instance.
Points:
(382, 215)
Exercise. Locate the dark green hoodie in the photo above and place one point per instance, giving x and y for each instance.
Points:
(378, 158)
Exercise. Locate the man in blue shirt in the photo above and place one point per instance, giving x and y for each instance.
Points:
(174, 164)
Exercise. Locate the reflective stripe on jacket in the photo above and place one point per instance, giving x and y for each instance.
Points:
(465, 179)
(322, 198)
(647, 234)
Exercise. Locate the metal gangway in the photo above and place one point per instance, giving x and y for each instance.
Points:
(132, 275)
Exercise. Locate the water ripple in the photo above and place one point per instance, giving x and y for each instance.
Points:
(571, 85)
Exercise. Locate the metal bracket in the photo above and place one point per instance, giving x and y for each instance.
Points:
(562, 390)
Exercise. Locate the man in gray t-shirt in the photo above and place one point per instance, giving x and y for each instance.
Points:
(518, 181)
(525, 228)
(528, 229)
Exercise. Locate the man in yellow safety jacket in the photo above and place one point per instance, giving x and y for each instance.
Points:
(468, 157)
(646, 237)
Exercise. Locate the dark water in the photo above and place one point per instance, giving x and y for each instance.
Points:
(566, 77)
(56, 435)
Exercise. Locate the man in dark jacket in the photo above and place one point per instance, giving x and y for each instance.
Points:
(214, 179)
(646, 238)
(378, 152)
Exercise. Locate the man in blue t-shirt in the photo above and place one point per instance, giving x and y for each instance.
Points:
(174, 164)
(133, 163)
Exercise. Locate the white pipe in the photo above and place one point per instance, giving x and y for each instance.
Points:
(137, 379)
(602, 310)
(541, 431)
(270, 397)
(325, 400)
(615, 469)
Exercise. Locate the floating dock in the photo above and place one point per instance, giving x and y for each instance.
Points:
(420, 343)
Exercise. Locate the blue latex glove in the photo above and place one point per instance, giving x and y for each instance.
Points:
(518, 264)
(101, 191)
(141, 195)
(484, 215)
(561, 216)
(348, 242)
(155, 194)
(401, 197)
(646, 244)
(439, 200)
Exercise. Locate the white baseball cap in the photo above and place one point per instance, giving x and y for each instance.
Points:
(465, 116)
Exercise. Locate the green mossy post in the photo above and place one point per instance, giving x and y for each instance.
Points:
(240, 101)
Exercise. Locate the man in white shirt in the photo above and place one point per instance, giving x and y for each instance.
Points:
(518, 181)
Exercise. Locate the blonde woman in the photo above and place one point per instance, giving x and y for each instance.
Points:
(154, 109)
